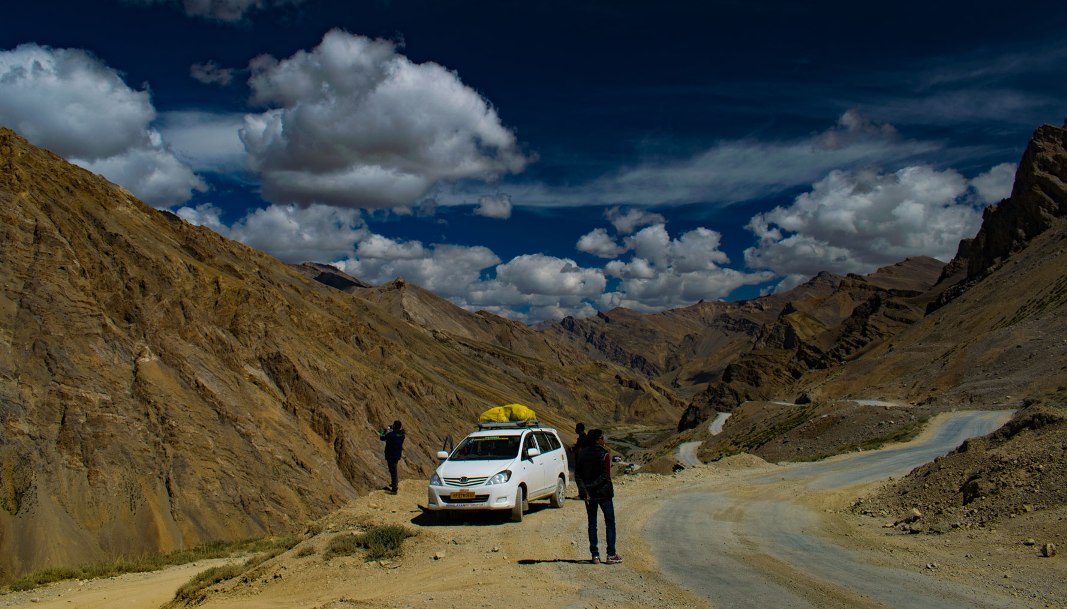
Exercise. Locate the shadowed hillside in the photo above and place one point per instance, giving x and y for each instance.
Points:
(161, 386)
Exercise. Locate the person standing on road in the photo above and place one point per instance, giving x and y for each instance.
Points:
(592, 473)
(393, 436)
(576, 450)
(579, 444)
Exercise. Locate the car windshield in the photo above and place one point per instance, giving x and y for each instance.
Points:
(486, 448)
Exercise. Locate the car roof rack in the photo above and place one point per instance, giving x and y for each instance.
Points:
(508, 424)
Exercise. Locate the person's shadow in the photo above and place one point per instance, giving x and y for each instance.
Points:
(570, 561)
(436, 518)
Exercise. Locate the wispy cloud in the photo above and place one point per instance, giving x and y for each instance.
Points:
(231, 11)
(730, 171)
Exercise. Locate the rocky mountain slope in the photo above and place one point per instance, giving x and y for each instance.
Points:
(994, 337)
(689, 347)
(161, 386)
(1000, 335)
(818, 329)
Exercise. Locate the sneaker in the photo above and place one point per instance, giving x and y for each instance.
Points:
(596, 560)
(613, 559)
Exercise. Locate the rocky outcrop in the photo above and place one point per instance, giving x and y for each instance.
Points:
(1038, 197)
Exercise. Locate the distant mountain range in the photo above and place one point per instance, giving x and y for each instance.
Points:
(161, 386)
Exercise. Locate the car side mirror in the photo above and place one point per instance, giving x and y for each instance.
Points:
(442, 454)
(532, 452)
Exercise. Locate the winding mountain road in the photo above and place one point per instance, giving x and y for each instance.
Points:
(759, 546)
(687, 451)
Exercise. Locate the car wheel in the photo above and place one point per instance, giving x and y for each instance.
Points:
(556, 500)
(520, 504)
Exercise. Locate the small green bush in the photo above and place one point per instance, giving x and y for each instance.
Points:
(342, 545)
(379, 542)
(384, 541)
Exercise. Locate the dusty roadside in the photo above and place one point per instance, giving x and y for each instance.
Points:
(140, 590)
(486, 561)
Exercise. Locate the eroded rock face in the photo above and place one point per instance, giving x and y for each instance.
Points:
(817, 332)
(1038, 197)
(161, 386)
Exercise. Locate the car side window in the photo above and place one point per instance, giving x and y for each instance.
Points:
(528, 443)
(554, 441)
(545, 440)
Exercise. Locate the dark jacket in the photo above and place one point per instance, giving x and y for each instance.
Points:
(592, 473)
(394, 444)
(579, 444)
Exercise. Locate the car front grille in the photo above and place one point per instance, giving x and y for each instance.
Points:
(477, 499)
(465, 482)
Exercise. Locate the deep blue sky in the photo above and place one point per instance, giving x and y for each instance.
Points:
(719, 149)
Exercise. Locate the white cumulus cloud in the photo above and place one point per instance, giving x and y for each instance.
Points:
(354, 123)
(598, 243)
(206, 141)
(494, 206)
(317, 233)
(665, 272)
(451, 271)
(858, 221)
(70, 102)
(628, 220)
(995, 184)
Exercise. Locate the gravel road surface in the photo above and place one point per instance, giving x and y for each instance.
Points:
(761, 545)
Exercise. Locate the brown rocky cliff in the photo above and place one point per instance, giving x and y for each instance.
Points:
(161, 386)
(1038, 196)
(820, 332)
(686, 348)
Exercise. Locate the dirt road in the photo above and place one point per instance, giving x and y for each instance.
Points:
(135, 590)
(761, 544)
(687, 451)
(736, 533)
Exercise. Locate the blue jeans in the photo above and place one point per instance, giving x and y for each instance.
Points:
(608, 508)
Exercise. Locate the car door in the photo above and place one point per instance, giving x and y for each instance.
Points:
(556, 461)
(535, 476)
(551, 454)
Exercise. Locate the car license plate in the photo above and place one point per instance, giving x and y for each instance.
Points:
(461, 495)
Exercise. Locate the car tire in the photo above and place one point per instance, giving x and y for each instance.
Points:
(559, 495)
(520, 505)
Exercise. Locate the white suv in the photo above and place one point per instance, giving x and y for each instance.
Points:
(502, 466)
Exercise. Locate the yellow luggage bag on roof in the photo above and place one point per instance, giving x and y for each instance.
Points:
(509, 412)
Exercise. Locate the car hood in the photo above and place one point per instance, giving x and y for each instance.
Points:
(472, 469)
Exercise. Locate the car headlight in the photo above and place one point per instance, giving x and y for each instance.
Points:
(500, 478)
(435, 480)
